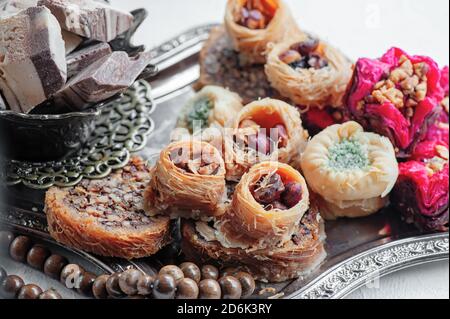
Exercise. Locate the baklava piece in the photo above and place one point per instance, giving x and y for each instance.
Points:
(397, 96)
(187, 181)
(421, 192)
(299, 256)
(106, 217)
(309, 72)
(352, 171)
(254, 24)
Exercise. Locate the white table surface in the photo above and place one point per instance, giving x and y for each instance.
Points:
(359, 28)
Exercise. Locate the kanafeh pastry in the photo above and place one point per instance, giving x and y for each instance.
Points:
(263, 130)
(352, 171)
(106, 217)
(187, 181)
(309, 72)
(270, 229)
(253, 24)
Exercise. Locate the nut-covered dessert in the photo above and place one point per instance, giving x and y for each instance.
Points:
(254, 24)
(211, 106)
(352, 171)
(267, 206)
(302, 253)
(106, 217)
(309, 72)
(396, 96)
(221, 65)
(421, 192)
(265, 130)
(187, 181)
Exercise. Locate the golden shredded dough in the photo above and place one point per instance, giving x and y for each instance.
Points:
(310, 87)
(252, 44)
(352, 170)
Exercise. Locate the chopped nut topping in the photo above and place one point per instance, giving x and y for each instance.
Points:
(406, 86)
(435, 165)
(202, 164)
(442, 151)
(256, 14)
(393, 95)
(444, 104)
(305, 55)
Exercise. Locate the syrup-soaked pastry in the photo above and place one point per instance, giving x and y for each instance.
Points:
(439, 131)
(187, 181)
(309, 72)
(396, 96)
(352, 171)
(212, 106)
(220, 65)
(264, 130)
(298, 257)
(421, 192)
(90, 19)
(106, 217)
(32, 52)
(253, 24)
(267, 206)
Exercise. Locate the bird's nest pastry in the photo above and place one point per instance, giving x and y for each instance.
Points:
(352, 171)
(253, 24)
(266, 207)
(106, 217)
(187, 181)
(298, 257)
(397, 96)
(212, 106)
(263, 130)
(309, 72)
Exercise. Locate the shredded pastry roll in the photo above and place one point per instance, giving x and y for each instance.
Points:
(309, 72)
(267, 206)
(253, 24)
(264, 130)
(352, 171)
(187, 181)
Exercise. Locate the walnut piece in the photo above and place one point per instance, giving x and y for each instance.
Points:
(406, 86)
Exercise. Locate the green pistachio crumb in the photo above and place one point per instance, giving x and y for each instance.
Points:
(199, 114)
(347, 155)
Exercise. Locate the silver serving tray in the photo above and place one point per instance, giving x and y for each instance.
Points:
(359, 251)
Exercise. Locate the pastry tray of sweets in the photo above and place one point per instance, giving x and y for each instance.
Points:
(358, 250)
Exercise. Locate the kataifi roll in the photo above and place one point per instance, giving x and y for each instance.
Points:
(264, 130)
(267, 206)
(309, 72)
(187, 181)
(253, 24)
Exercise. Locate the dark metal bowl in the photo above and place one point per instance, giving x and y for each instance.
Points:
(35, 137)
(44, 137)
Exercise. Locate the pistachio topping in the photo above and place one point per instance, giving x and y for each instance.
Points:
(348, 155)
(199, 114)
